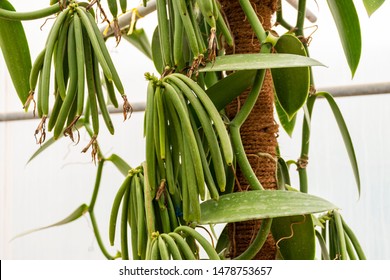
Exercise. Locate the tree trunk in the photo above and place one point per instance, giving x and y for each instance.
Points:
(259, 131)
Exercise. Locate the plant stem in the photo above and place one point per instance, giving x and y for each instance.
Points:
(301, 15)
(235, 126)
(242, 159)
(253, 20)
(92, 214)
(250, 102)
(98, 237)
(303, 160)
(97, 185)
(280, 19)
(258, 242)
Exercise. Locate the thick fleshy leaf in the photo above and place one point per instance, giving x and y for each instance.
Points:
(122, 165)
(223, 240)
(295, 237)
(16, 52)
(243, 206)
(372, 5)
(139, 39)
(80, 211)
(348, 26)
(258, 61)
(227, 89)
(283, 175)
(345, 134)
(287, 123)
(156, 52)
(291, 84)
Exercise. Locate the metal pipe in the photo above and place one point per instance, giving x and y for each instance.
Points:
(339, 91)
(358, 90)
(308, 13)
(21, 116)
(125, 19)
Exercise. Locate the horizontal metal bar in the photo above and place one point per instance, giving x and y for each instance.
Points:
(21, 116)
(339, 91)
(308, 13)
(358, 90)
(125, 19)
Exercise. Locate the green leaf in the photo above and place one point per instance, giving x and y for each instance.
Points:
(156, 52)
(139, 39)
(282, 173)
(243, 206)
(348, 26)
(295, 237)
(227, 89)
(80, 211)
(345, 135)
(255, 61)
(122, 165)
(372, 5)
(43, 147)
(16, 52)
(291, 84)
(287, 123)
(223, 240)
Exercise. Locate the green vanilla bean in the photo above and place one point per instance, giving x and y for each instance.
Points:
(45, 12)
(340, 235)
(124, 216)
(150, 218)
(324, 249)
(350, 250)
(354, 240)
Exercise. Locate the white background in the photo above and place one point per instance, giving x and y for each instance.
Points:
(58, 181)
